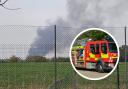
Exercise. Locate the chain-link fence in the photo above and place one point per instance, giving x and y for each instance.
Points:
(37, 57)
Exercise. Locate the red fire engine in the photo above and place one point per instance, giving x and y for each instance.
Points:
(99, 55)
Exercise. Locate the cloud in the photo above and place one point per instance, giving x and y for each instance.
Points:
(82, 14)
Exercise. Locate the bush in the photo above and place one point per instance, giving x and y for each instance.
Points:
(36, 59)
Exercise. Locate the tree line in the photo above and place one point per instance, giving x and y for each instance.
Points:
(14, 59)
(29, 58)
(93, 34)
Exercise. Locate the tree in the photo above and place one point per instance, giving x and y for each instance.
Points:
(60, 59)
(36, 59)
(2, 3)
(94, 34)
(14, 59)
(122, 53)
(63, 59)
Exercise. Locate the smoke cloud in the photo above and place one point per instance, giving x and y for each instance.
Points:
(82, 14)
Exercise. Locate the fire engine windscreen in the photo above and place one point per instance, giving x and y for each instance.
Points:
(112, 47)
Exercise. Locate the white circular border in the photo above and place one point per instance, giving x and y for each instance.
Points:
(89, 29)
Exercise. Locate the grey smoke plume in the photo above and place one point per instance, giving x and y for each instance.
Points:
(82, 14)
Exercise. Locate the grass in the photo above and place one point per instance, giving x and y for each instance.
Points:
(41, 76)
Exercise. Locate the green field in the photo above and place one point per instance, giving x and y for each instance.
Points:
(41, 76)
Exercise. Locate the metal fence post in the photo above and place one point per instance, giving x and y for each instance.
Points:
(118, 77)
(74, 82)
(55, 56)
(126, 58)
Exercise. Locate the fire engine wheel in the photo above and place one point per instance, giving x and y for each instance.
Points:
(99, 68)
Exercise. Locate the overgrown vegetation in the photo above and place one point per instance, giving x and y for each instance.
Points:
(94, 34)
(41, 75)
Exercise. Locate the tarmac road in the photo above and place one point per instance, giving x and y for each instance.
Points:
(91, 73)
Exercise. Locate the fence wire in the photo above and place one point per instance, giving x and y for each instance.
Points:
(27, 59)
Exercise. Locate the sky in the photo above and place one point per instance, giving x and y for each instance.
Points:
(33, 13)
(74, 13)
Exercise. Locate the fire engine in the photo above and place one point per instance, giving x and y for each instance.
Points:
(99, 55)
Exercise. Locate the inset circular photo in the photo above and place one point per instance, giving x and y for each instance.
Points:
(94, 54)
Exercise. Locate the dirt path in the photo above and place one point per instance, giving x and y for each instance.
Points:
(92, 74)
